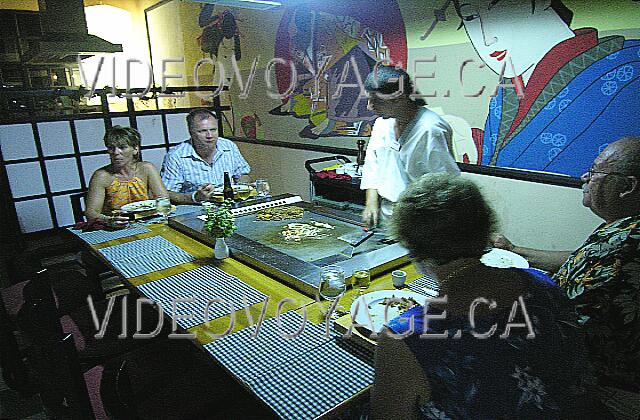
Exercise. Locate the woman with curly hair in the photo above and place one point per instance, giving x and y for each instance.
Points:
(499, 343)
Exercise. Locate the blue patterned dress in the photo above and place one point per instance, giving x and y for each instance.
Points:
(503, 377)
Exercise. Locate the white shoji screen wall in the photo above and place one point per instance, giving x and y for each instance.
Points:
(46, 162)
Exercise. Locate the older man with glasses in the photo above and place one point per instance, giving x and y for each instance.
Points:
(602, 277)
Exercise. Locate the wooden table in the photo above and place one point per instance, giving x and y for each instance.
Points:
(275, 290)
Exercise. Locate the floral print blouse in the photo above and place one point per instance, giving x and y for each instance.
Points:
(122, 192)
(503, 377)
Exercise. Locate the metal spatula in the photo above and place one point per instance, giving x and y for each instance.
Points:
(354, 240)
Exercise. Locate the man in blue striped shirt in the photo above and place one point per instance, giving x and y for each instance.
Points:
(192, 169)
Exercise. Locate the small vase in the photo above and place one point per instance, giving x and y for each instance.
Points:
(220, 250)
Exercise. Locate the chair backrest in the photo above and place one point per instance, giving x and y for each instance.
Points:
(39, 316)
(14, 371)
(77, 206)
(70, 398)
(62, 384)
(53, 356)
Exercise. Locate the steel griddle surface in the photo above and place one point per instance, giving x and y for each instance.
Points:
(321, 248)
(259, 243)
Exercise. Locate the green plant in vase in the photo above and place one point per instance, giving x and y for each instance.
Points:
(220, 224)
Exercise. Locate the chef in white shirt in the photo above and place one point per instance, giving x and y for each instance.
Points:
(407, 141)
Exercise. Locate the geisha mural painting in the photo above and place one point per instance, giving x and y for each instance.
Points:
(220, 38)
(567, 93)
(331, 45)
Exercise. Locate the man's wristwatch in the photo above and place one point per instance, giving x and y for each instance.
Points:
(193, 197)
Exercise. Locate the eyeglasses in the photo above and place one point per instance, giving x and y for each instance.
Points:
(591, 172)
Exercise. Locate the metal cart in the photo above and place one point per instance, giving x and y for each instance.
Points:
(344, 195)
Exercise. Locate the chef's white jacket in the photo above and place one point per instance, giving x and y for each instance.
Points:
(391, 163)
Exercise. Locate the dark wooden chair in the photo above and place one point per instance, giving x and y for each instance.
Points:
(96, 270)
(47, 313)
(168, 379)
(14, 370)
(69, 293)
(77, 206)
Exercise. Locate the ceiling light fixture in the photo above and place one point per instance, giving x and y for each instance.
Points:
(244, 4)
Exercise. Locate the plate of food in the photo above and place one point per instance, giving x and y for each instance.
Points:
(139, 206)
(375, 303)
(501, 258)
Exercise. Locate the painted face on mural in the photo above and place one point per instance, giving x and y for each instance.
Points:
(512, 33)
(204, 134)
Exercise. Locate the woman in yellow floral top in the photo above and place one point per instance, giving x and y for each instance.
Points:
(125, 180)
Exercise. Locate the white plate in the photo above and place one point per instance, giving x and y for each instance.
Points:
(236, 189)
(501, 258)
(372, 303)
(139, 206)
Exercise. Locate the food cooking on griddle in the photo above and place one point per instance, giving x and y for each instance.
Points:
(280, 213)
(296, 232)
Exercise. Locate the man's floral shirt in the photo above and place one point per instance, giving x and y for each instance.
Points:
(602, 277)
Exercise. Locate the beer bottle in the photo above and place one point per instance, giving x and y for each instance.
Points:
(227, 190)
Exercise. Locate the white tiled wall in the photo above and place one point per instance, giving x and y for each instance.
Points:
(154, 156)
(55, 138)
(91, 163)
(123, 121)
(177, 127)
(150, 128)
(34, 215)
(17, 142)
(64, 212)
(63, 174)
(90, 134)
(25, 179)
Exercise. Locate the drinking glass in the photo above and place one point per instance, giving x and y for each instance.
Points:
(163, 207)
(361, 279)
(262, 188)
(243, 190)
(332, 285)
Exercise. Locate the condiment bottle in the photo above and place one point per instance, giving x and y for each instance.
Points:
(361, 153)
(227, 190)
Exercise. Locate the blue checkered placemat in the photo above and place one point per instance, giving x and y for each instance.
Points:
(425, 286)
(316, 381)
(186, 209)
(100, 236)
(248, 356)
(202, 284)
(144, 256)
